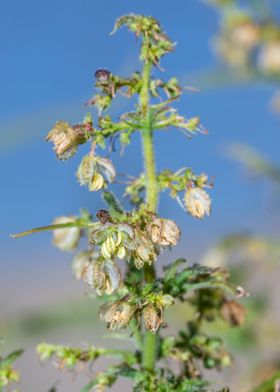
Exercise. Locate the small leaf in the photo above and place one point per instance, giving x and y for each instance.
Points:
(112, 201)
(10, 359)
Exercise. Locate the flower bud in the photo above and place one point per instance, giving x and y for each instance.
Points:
(233, 313)
(152, 318)
(108, 247)
(117, 314)
(66, 139)
(269, 58)
(67, 238)
(103, 276)
(166, 300)
(97, 182)
(198, 202)
(164, 232)
(92, 171)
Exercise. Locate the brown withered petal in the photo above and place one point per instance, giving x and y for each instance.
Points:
(164, 232)
(65, 139)
(233, 313)
(152, 318)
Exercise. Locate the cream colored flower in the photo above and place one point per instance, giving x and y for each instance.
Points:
(164, 232)
(269, 58)
(198, 202)
(245, 35)
(66, 239)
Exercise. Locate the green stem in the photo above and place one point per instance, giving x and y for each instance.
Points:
(79, 224)
(150, 344)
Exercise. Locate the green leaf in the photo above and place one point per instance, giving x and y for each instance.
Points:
(171, 270)
(269, 384)
(112, 201)
(10, 359)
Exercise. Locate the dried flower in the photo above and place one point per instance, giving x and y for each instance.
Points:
(269, 58)
(198, 202)
(67, 238)
(116, 314)
(66, 139)
(81, 260)
(164, 232)
(102, 275)
(145, 251)
(152, 318)
(233, 313)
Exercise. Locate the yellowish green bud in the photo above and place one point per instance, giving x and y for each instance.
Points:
(96, 183)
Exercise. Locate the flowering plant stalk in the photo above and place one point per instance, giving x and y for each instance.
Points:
(138, 297)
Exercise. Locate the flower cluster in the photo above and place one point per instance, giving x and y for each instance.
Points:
(110, 241)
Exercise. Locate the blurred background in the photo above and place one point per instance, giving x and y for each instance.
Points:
(49, 53)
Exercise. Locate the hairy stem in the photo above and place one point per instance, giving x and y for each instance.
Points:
(149, 353)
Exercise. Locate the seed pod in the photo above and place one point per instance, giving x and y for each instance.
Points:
(198, 202)
(233, 313)
(67, 238)
(164, 232)
(66, 139)
(151, 318)
(116, 314)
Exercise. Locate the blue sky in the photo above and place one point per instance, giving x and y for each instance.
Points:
(49, 53)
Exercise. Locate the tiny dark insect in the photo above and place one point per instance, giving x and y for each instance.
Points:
(102, 75)
(103, 216)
